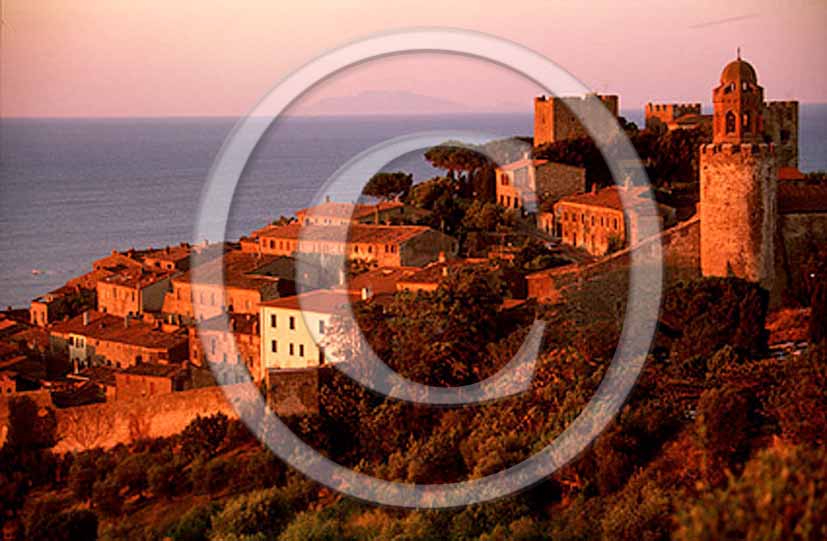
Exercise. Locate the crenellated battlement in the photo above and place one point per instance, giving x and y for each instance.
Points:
(676, 109)
(734, 149)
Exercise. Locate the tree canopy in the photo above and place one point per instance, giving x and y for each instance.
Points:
(388, 185)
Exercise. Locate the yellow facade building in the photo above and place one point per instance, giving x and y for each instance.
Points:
(293, 329)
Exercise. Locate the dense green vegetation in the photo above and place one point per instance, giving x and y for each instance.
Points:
(718, 440)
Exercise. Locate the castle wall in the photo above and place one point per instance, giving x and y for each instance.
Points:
(738, 211)
(661, 114)
(781, 126)
(680, 250)
(124, 421)
(802, 235)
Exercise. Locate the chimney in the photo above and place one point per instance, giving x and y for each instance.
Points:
(627, 182)
(444, 271)
(232, 324)
(441, 257)
(327, 199)
(366, 293)
(126, 321)
(85, 318)
(255, 327)
(594, 188)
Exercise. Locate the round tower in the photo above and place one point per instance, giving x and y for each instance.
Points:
(738, 183)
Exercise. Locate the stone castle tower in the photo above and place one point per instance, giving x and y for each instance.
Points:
(556, 118)
(739, 175)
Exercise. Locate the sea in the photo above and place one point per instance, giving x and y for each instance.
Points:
(73, 190)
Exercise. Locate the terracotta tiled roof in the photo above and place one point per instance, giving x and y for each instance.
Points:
(322, 301)
(99, 374)
(802, 199)
(109, 328)
(519, 164)
(790, 173)
(154, 370)
(358, 233)
(355, 211)
(242, 270)
(136, 278)
(434, 272)
(238, 323)
(611, 197)
(381, 280)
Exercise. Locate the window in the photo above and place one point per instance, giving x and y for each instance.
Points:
(745, 121)
(272, 244)
(592, 221)
(273, 320)
(274, 346)
(321, 327)
(291, 348)
(71, 340)
(292, 323)
(212, 346)
(301, 350)
(582, 218)
(730, 122)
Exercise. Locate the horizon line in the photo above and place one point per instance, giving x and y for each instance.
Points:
(641, 108)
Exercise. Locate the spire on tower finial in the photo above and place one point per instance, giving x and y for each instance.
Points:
(739, 53)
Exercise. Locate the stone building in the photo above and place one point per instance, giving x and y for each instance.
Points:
(236, 282)
(753, 226)
(65, 301)
(608, 219)
(228, 346)
(526, 183)
(148, 380)
(133, 291)
(389, 246)
(335, 213)
(293, 329)
(555, 118)
(738, 183)
(99, 339)
(674, 116)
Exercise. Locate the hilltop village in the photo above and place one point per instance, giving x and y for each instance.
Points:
(143, 324)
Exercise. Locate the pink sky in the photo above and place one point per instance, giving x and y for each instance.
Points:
(186, 57)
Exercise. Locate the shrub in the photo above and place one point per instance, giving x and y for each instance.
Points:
(264, 512)
(640, 513)
(204, 435)
(48, 523)
(312, 527)
(163, 479)
(782, 494)
(195, 523)
(710, 313)
(106, 497)
(82, 476)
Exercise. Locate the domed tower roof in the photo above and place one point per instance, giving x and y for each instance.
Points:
(738, 70)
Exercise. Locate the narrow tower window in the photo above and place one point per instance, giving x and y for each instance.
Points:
(730, 122)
